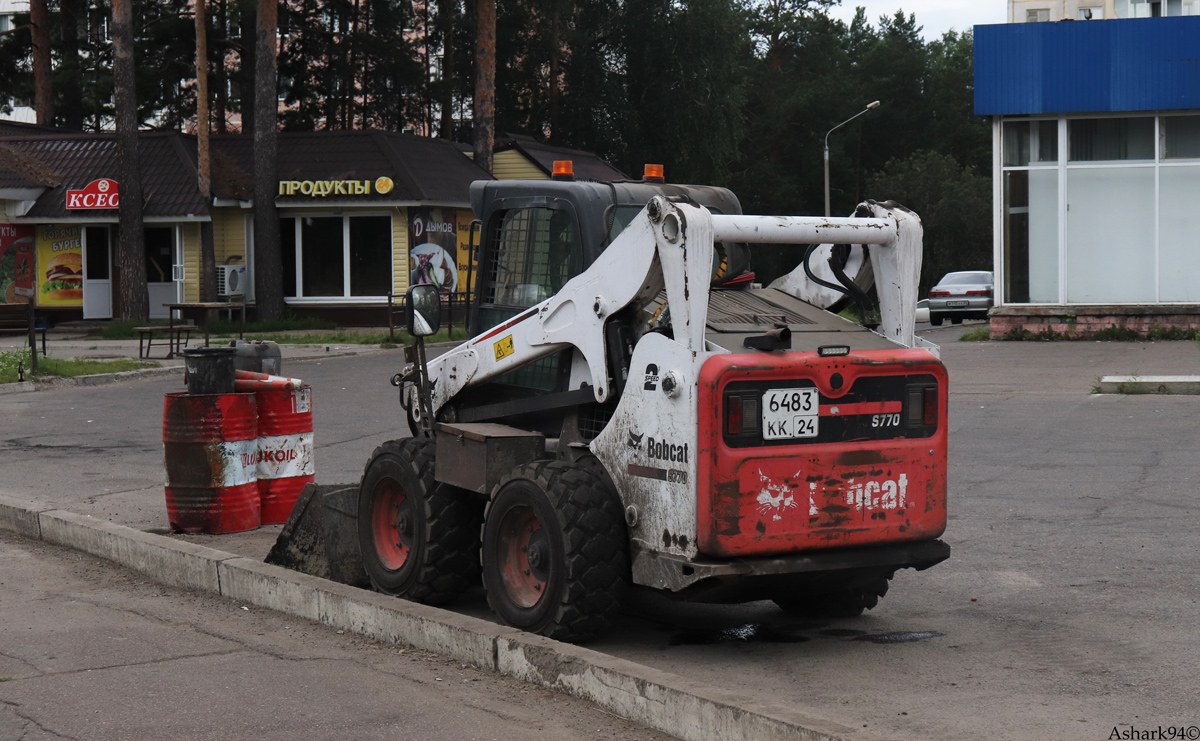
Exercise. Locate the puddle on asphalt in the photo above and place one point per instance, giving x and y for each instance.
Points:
(901, 637)
(749, 633)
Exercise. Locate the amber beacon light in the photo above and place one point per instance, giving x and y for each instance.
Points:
(563, 170)
(653, 173)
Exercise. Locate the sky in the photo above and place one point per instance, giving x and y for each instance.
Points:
(936, 16)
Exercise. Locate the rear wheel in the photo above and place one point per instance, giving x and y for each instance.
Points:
(956, 320)
(554, 551)
(419, 539)
(935, 320)
(844, 603)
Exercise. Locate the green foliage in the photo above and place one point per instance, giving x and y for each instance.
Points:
(955, 206)
(737, 93)
(63, 367)
(979, 334)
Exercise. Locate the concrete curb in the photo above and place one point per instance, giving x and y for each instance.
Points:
(689, 710)
(1173, 385)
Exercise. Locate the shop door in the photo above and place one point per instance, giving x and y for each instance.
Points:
(97, 273)
(160, 283)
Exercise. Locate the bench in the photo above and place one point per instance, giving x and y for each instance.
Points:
(177, 336)
(18, 318)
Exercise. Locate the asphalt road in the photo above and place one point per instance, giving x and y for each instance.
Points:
(91, 651)
(1068, 609)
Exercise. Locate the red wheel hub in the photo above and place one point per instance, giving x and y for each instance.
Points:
(524, 556)
(392, 524)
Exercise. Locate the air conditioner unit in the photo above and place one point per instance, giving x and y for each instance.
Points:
(231, 280)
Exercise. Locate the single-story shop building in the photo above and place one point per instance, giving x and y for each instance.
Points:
(362, 214)
(1096, 165)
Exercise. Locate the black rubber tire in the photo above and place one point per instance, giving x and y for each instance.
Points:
(587, 544)
(443, 556)
(843, 604)
(935, 321)
(956, 320)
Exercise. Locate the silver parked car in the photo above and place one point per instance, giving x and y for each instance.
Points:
(962, 295)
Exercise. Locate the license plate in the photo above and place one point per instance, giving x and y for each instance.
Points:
(957, 304)
(790, 413)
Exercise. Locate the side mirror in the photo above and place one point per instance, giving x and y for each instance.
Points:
(423, 310)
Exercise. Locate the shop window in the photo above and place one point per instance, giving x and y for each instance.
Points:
(1110, 139)
(370, 255)
(1110, 235)
(1181, 137)
(1030, 142)
(1178, 240)
(1041, 15)
(97, 253)
(537, 252)
(158, 243)
(336, 256)
(322, 270)
(1031, 236)
(287, 250)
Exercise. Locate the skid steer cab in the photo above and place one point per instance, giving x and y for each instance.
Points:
(634, 410)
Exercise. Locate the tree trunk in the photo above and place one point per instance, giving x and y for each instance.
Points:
(247, 72)
(68, 15)
(268, 266)
(555, 52)
(208, 255)
(485, 84)
(131, 251)
(446, 11)
(222, 75)
(43, 97)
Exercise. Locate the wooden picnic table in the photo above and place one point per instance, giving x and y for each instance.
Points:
(208, 307)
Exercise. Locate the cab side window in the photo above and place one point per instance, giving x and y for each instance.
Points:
(537, 250)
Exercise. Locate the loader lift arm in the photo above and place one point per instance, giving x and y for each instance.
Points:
(670, 245)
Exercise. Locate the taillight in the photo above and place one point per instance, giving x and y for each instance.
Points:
(938, 294)
(979, 293)
(921, 408)
(931, 405)
(741, 414)
(733, 415)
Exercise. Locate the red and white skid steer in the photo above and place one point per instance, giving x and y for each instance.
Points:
(629, 411)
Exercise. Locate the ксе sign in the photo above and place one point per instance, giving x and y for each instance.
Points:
(100, 193)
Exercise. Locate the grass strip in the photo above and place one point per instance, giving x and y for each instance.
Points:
(9, 362)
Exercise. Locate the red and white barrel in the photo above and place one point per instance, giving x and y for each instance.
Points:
(285, 450)
(210, 452)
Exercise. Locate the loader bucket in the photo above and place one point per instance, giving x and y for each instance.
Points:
(321, 535)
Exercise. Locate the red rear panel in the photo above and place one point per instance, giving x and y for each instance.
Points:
(867, 466)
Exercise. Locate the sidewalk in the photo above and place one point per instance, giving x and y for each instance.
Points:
(89, 650)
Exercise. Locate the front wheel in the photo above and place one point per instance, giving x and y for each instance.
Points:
(554, 551)
(419, 539)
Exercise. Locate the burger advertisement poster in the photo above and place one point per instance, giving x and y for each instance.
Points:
(60, 265)
(16, 263)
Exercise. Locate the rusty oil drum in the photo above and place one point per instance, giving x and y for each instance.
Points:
(210, 452)
(285, 450)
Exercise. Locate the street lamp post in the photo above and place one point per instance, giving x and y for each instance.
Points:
(874, 104)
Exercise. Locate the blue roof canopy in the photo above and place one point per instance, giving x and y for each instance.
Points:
(1141, 64)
